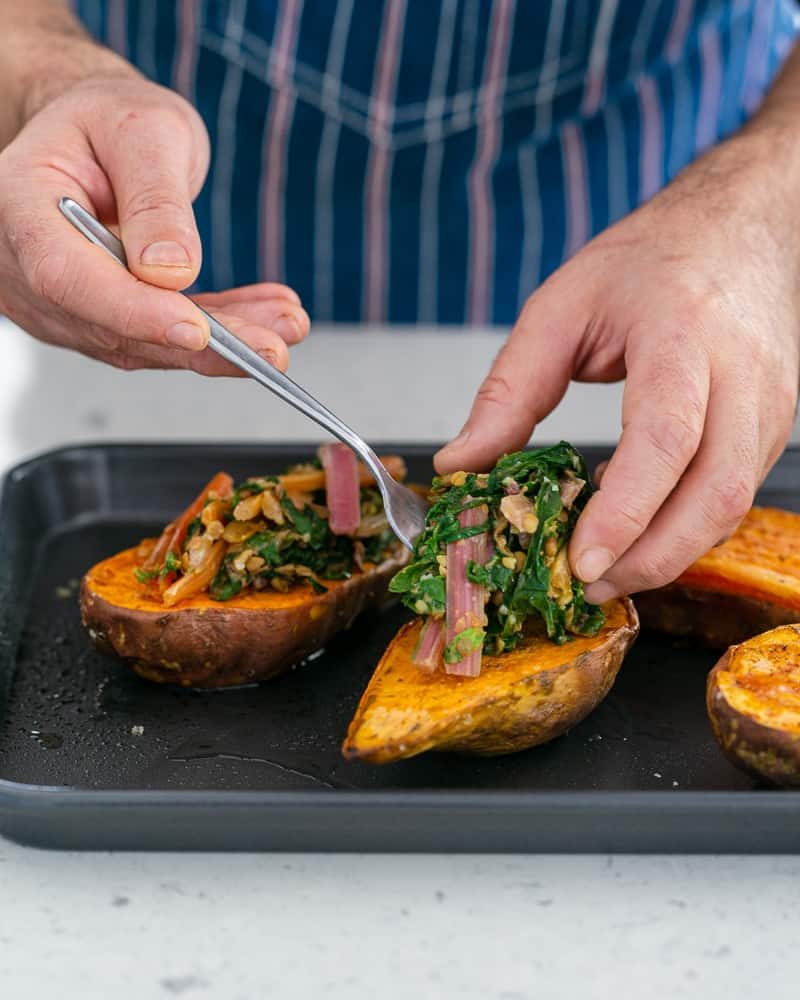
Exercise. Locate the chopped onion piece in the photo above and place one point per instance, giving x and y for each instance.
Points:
(430, 645)
(466, 601)
(570, 487)
(373, 524)
(518, 510)
(343, 495)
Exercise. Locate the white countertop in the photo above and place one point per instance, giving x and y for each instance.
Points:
(244, 926)
(404, 384)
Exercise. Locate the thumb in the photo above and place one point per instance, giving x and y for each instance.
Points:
(527, 380)
(156, 161)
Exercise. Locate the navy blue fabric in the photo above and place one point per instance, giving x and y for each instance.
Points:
(406, 160)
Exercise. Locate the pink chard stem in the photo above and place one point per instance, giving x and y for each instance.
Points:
(343, 493)
(430, 645)
(466, 601)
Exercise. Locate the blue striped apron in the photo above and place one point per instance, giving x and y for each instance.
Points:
(434, 160)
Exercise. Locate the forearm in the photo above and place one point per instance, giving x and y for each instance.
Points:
(771, 142)
(780, 106)
(773, 135)
(753, 177)
(45, 50)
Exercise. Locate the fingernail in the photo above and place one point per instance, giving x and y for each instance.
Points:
(286, 326)
(188, 336)
(165, 253)
(600, 592)
(591, 564)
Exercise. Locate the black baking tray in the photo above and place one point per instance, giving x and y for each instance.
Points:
(260, 768)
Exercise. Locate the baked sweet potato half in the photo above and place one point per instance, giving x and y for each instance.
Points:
(747, 585)
(753, 701)
(201, 642)
(248, 580)
(523, 698)
(506, 653)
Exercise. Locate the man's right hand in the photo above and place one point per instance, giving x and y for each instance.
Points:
(136, 155)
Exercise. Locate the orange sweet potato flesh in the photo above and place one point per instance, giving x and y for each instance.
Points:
(745, 586)
(753, 701)
(521, 698)
(204, 643)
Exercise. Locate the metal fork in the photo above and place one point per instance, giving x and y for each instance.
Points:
(405, 510)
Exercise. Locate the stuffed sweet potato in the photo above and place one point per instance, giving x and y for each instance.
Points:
(753, 700)
(745, 586)
(522, 698)
(505, 653)
(247, 581)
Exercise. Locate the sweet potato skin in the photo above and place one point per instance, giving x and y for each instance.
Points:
(715, 618)
(753, 702)
(745, 586)
(210, 644)
(521, 698)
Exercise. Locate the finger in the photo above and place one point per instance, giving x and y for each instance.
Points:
(778, 418)
(59, 271)
(132, 355)
(153, 160)
(264, 342)
(529, 377)
(599, 472)
(259, 292)
(97, 341)
(288, 320)
(64, 273)
(663, 414)
(712, 498)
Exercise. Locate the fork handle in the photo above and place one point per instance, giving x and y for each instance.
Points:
(234, 350)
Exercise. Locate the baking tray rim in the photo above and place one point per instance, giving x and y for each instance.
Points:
(763, 800)
(12, 473)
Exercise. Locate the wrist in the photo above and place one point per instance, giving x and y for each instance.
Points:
(764, 202)
(770, 144)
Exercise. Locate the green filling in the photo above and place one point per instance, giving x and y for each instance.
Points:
(170, 565)
(517, 594)
(304, 541)
(195, 528)
(302, 549)
(463, 644)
